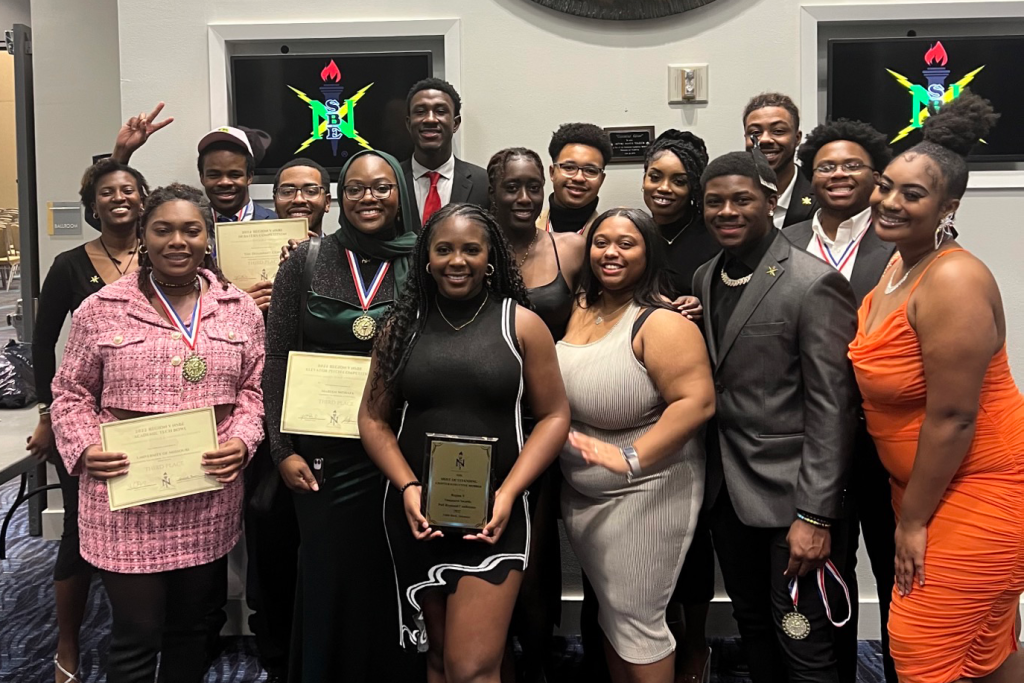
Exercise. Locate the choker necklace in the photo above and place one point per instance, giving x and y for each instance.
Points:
(528, 247)
(171, 285)
(115, 262)
(730, 282)
(443, 317)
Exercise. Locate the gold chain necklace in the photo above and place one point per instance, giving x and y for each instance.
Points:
(445, 318)
(528, 247)
(730, 282)
(599, 320)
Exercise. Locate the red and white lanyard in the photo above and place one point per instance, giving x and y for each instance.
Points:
(794, 592)
(366, 294)
(844, 258)
(189, 332)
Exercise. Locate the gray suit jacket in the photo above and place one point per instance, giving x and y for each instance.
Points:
(470, 186)
(786, 396)
(873, 256)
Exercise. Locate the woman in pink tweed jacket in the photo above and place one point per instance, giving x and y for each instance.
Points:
(127, 357)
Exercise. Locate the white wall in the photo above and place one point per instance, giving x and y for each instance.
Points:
(14, 12)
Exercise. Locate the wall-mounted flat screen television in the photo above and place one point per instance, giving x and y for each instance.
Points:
(326, 107)
(889, 82)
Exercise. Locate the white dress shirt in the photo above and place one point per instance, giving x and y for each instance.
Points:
(782, 204)
(842, 251)
(421, 181)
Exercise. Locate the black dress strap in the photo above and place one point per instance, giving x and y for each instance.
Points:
(639, 322)
(558, 262)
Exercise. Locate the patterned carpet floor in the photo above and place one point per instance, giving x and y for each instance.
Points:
(28, 632)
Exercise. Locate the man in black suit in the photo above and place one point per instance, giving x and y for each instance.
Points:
(777, 322)
(436, 177)
(844, 160)
(774, 121)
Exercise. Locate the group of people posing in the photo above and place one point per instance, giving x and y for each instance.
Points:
(759, 366)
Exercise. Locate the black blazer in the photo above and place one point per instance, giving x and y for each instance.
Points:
(469, 186)
(800, 209)
(786, 398)
(873, 255)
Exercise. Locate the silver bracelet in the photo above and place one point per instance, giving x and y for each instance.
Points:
(633, 461)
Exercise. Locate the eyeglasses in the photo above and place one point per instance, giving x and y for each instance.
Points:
(308, 191)
(379, 191)
(851, 167)
(569, 170)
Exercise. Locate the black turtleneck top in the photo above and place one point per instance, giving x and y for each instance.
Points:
(569, 220)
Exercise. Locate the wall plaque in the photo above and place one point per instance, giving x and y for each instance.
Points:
(630, 143)
(623, 9)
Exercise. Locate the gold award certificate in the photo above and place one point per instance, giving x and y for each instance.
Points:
(249, 252)
(458, 483)
(322, 393)
(165, 454)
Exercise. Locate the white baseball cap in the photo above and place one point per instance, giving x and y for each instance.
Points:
(226, 134)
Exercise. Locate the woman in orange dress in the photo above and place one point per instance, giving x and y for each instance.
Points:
(948, 420)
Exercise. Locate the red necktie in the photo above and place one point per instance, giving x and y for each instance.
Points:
(433, 202)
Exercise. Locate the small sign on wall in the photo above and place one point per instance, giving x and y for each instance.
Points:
(65, 219)
(630, 143)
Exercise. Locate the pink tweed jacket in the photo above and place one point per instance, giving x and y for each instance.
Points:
(122, 355)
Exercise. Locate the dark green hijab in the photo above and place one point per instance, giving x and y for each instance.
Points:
(396, 249)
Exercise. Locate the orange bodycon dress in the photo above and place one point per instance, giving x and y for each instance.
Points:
(961, 623)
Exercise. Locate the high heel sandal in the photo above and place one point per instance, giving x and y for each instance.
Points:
(704, 677)
(71, 677)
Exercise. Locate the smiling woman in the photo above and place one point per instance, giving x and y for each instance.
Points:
(174, 337)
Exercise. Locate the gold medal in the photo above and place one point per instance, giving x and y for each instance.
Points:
(194, 368)
(364, 327)
(796, 625)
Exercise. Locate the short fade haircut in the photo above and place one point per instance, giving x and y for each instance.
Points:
(325, 177)
(580, 134)
(743, 164)
(224, 146)
(863, 134)
(435, 84)
(773, 99)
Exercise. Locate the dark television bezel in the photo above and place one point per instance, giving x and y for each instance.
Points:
(333, 171)
(979, 158)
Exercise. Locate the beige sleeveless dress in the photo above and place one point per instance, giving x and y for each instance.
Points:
(630, 537)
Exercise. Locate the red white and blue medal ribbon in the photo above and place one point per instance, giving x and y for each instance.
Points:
(794, 592)
(844, 258)
(365, 327)
(194, 367)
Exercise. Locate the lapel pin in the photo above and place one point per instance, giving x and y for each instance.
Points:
(772, 270)
(806, 200)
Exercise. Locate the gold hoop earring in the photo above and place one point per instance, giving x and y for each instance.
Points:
(209, 250)
(143, 249)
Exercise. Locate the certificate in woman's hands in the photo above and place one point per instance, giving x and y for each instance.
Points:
(322, 393)
(165, 455)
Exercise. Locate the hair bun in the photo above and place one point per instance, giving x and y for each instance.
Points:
(960, 124)
(688, 138)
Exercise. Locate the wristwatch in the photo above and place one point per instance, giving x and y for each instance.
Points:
(633, 461)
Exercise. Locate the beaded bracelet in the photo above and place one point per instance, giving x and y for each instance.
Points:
(813, 521)
(401, 491)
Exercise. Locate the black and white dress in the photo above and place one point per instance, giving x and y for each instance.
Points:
(470, 383)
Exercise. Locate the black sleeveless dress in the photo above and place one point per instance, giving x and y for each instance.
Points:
(467, 382)
(553, 301)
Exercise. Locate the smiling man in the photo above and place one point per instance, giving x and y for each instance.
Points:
(844, 159)
(436, 176)
(302, 189)
(774, 120)
(777, 322)
(579, 153)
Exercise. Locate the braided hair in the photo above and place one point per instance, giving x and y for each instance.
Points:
(692, 154)
(404, 321)
(171, 193)
(949, 135)
(499, 162)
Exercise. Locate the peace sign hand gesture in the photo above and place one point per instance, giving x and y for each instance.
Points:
(136, 132)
